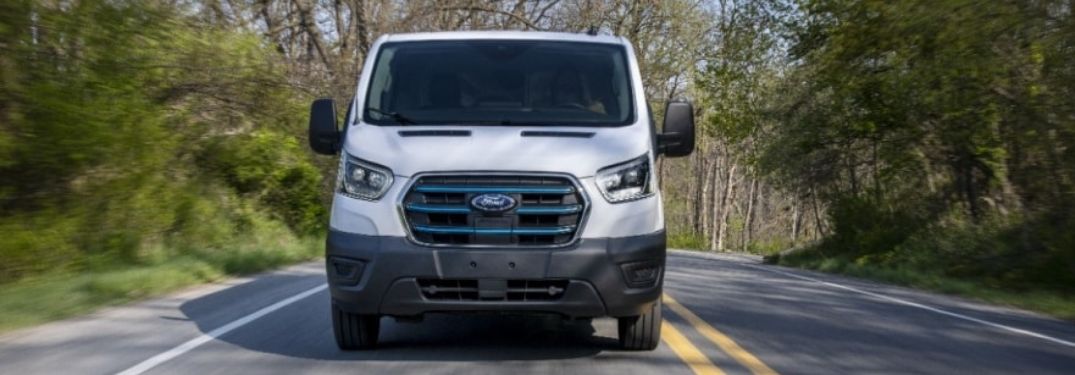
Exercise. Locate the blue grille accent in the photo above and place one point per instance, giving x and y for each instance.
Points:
(548, 210)
(548, 231)
(462, 209)
(437, 208)
(495, 189)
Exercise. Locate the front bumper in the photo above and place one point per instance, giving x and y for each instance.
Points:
(380, 275)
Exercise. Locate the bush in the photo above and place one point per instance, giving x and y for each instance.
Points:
(273, 169)
(164, 139)
(864, 226)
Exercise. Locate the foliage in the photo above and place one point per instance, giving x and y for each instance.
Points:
(937, 134)
(133, 133)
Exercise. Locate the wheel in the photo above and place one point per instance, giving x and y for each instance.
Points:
(354, 331)
(642, 332)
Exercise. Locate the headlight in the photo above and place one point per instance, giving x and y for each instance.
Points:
(626, 181)
(361, 179)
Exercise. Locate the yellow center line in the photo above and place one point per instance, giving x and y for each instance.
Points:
(725, 343)
(687, 352)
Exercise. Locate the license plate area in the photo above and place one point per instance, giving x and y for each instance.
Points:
(485, 264)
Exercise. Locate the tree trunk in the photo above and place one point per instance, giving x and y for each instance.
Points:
(698, 191)
(749, 221)
(361, 29)
(818, 227)
(966, 178)
(709, 187)
(713, 174)
(796, 222)
(313, 32)
(725, 203)
(849, 159)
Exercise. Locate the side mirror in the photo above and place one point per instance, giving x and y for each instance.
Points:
(324, 135)
(677, 139)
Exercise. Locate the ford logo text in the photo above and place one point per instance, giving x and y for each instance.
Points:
(492, 202)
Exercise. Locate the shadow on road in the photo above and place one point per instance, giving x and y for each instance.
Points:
(304, 330)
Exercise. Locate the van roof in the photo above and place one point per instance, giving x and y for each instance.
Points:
(513, 35)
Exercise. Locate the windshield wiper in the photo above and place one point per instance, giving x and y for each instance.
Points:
(399, 117)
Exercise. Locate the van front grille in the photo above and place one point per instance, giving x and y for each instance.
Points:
(545, 210)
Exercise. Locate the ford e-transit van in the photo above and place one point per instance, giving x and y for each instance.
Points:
(508, 172)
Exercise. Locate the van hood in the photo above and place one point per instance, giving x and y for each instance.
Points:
(579, 151)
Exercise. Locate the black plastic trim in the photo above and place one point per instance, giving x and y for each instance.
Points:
(434, 133)
(597, 285)
(562, 134)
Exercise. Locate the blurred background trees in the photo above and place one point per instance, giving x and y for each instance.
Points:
(133, 132)
(932, 135)
(938, 133)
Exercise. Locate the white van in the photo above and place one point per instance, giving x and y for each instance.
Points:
(498, 172)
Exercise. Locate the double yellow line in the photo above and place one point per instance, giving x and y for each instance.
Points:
(698, 362)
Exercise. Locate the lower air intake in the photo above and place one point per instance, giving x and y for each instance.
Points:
(516, 291)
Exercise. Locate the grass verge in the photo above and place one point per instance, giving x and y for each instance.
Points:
(1054, 303)
(56, 296)
(686, 241)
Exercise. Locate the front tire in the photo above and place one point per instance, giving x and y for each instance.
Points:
(354, 331)
(641, 332)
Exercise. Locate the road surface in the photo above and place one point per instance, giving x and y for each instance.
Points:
(723, 314)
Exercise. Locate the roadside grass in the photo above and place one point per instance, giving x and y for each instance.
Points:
(1055, 303)
(686, 241)
(697, 242)
(54, 296)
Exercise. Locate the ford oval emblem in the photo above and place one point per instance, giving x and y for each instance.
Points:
(492, 202)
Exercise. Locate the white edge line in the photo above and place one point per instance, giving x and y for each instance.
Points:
(207, 337)
(921, 306)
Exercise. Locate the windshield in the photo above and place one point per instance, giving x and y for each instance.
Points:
(500, 82)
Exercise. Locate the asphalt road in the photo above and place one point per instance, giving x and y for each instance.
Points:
(725, 314)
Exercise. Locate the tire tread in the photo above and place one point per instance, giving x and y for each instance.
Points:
(354, 331)
(641, 332)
